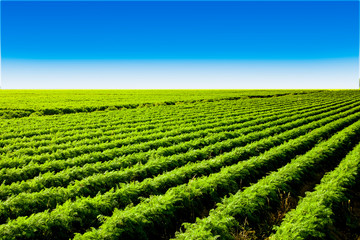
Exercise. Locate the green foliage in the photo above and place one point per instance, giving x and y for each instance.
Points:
(314, 214)
(139, 164)
(51, 102)
(249, 203)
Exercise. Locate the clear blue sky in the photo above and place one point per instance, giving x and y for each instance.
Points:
(136, 41)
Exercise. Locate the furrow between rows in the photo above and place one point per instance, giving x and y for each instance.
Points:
(315, 212)
(248, 204)
(82, 213)
(145, 220)
(114, 149)
(213, 141)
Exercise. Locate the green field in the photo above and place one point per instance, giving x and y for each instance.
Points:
(20, 103)
(180, 164)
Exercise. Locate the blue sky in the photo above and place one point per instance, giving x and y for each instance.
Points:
(180, 44)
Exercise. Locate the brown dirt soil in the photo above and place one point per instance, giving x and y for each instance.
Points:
(347, 218)
(273, 218)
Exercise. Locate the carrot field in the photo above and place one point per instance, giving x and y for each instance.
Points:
(180, 164)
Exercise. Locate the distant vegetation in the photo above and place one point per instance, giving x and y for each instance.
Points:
(20, 103)
(180, 164)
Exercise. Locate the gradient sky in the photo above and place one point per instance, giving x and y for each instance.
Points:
(180, 44)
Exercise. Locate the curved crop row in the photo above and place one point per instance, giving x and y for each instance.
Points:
(139, 220)
(105, 122)
(111, 133)
(20, 205)
(128, 128)
(73, 216)
(95, 120)
(68, 135)
(137, 139)
(13, 174)
(14, 111)
(249, 203)
(120, 127)
(70, 174)
(87, 122)
(70, 138)
(314, 212)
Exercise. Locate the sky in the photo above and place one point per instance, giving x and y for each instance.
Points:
(179, 44)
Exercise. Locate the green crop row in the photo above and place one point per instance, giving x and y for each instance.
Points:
(73, 216)
(147, 218)
(43, 133)
(105, 134)
(111, 133)
(59, 125)
(155, 166)
(87, 121)
(248, 204)
(114, 149)
(95, 120)
(314, 214)
(140, 173)
(106, 146)
(16, 206)
(214, 140)
(67, 101)
(111, 122)
(68, 135)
